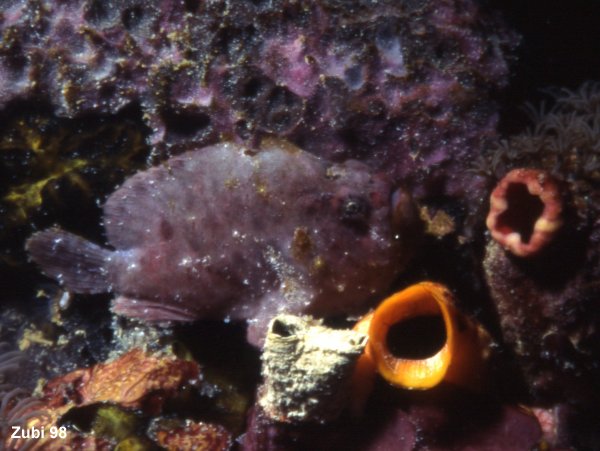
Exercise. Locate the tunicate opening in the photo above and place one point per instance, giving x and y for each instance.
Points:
(522, 212)
(417, 338)
(359, 341)
(283, 329)
(81, 417)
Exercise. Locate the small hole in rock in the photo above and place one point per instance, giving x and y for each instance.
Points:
(98, 12)
(243, 129)
(132, 17)
(186, 123)
(416, 338)
(254, 88)
(523, 211)
(81, 418)
(283, 110)
(282, 329)
(191, 5)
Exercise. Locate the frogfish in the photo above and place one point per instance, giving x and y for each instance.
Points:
(230, 232)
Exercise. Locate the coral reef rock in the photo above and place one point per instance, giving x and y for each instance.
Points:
(548, 313)
(191, 435)
(402, 85)
(548, 302)
(441, 425)
(307, 369)
(55, 169)
(103, 406)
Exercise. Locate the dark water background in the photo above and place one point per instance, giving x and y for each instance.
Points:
(560, 47)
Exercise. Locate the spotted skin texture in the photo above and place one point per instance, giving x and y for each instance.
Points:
(230, 232)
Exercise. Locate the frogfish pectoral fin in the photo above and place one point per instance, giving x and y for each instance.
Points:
(151, 311)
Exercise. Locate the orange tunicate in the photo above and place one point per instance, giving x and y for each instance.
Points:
(417, 338)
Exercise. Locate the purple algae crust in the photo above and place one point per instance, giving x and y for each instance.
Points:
(402, 85)
(443, 425)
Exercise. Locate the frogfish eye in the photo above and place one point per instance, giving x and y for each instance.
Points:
(355, 211)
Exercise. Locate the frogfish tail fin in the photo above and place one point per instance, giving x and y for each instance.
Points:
(80, 265)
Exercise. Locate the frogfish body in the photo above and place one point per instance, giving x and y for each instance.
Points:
(229, 232)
